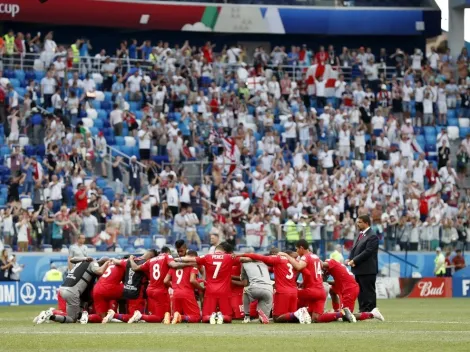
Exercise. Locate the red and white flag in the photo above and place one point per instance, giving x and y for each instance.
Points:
(38, 172)
(327, 72)
(231, 152)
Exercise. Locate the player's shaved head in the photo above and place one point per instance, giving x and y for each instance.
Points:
(191, 253)
(166, 250)
(274, 251)
(292, 254)
(181, 248)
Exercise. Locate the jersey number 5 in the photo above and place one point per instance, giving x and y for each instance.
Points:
(108, 271)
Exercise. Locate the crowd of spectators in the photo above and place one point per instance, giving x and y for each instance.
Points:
(282, 156)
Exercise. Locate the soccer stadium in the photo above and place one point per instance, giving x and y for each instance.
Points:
(190, 176)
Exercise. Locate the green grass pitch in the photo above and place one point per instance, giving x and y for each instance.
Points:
(411, 325)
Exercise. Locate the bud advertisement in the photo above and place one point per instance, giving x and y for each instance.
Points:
(429, 287)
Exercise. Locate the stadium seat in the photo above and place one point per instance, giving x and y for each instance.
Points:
(463, 132)
(92, 114)
(129, 141)
(102, 114)
(96, 104)
(453, 132)
(99, 124)
(430, 148)
(464, 122)
(119, 140)
(451, 114)
(87, 122)
(452, 122)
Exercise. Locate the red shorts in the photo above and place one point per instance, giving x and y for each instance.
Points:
(313, 299)
(284, 303)
(186, 305)
(211, 303)
(158, 303)
(105, 297)
(135, 304)
(61, 304)
(254, 309)
(349, 296)
(236, 302)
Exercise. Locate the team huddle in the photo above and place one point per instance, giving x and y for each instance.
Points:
(227, 285)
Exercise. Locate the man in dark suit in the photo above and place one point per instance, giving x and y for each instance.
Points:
(364, 263)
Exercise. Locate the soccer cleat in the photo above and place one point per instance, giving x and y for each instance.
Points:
(377, 315)
(299, 314)
(348, 316)
(262, 317)
(176, 318)
(84, 318)
(167, 319)
(307, 316)
(108, 317)
(220, 318)
(213, 319)
(135, 318)
(246, 320)
(35, 320)
(44, 316)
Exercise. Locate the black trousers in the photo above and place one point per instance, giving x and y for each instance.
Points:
(367, 297)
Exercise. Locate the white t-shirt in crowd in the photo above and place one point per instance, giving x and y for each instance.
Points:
(144, 139)
(115, 117)
(233, 54)
(48, 85)
(134, 83)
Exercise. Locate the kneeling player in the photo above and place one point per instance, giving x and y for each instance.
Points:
(347, 290)
(184, 305)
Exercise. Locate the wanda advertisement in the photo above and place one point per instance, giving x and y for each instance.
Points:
(430, 287)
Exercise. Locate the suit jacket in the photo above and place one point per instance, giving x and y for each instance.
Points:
(364, 254)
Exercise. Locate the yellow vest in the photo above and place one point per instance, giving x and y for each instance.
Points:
(291, 231)
(76, 53)
(54, 275)
(9, 44)
(442, 268)
(153, 57)
(336, 256)
(307, 230)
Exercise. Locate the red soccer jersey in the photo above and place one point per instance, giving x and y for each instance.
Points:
(237, 271)
(156, 269)
(285, 277)
(314, 280)
(180, 281)
(344, 279)
(218, 272)
(114, 274)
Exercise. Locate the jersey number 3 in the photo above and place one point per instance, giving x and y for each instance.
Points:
(290, 275)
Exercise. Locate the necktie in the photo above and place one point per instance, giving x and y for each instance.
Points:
(361, 235)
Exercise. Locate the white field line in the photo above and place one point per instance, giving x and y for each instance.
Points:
(217, 332)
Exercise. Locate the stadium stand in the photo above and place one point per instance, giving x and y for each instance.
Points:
(180, 142)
